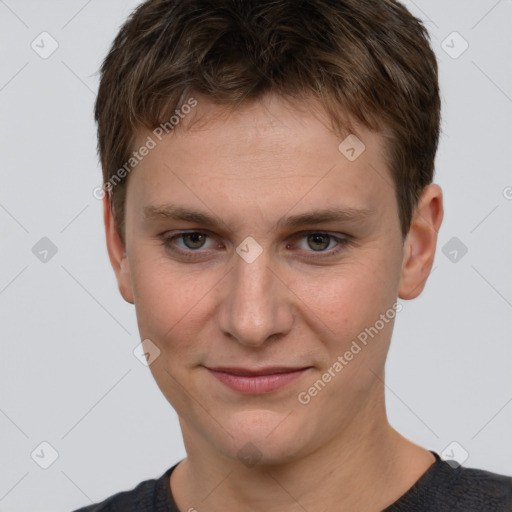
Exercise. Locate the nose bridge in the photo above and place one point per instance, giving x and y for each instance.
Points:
(253, 308)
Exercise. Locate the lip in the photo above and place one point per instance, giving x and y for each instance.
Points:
(255, 382)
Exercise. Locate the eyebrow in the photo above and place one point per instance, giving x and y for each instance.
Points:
(316, 216)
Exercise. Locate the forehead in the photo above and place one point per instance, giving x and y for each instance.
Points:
(269, 153)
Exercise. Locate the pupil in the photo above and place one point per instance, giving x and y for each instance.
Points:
(322, 240)
(197, 240)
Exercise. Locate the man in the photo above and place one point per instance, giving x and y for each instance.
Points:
(268, 172)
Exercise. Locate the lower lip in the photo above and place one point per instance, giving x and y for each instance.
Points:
(257, 384)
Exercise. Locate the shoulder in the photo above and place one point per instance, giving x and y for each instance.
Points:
(456, 488)
(448, 487)
(479, 489)
(125, 501)
(146, 496)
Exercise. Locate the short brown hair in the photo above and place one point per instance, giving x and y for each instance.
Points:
(366, 59)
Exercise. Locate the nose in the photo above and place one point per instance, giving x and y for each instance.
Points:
(255, 305)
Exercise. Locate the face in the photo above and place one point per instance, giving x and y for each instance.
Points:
(254, 245)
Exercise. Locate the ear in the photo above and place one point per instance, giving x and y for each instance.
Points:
(420, 243)
(117, 252)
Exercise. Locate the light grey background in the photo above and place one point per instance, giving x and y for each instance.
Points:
(68, 375)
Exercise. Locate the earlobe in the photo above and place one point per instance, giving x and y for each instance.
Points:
(420, 245)
(117, 252)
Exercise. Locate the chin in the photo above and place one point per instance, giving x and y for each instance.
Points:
(264, 437)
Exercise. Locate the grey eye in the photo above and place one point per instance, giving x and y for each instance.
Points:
(193, 240)
(318, 241)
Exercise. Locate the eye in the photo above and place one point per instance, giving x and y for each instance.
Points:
(186, 241)
(322, 243)
(194, 240)
(319, 241)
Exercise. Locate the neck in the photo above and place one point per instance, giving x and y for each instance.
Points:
(365, 467)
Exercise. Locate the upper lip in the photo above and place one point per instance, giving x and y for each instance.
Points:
(269, 370)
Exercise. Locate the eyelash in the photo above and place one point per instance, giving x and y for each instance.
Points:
(167, 242)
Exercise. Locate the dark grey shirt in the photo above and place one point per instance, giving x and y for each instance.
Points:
(442, 488)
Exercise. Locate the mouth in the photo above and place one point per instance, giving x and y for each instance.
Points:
(257, 381)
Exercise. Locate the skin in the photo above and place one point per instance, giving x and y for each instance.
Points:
(251, 168)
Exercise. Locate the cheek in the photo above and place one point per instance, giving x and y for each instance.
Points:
(169, 300)
(345, 302)
(345, 297)
(156, 300)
